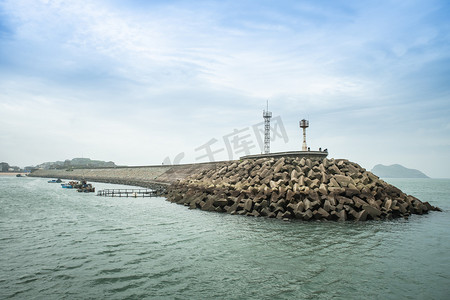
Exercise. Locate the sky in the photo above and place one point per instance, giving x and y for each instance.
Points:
(150, 82)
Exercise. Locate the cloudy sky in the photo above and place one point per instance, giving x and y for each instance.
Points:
(142, 82)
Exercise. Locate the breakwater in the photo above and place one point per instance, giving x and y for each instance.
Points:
(287, 187)
(295, 188)
(155, 177)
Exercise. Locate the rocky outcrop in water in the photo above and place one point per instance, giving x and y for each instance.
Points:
(295, 188)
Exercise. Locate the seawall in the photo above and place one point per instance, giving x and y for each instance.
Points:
(145, 176)
(290, 187)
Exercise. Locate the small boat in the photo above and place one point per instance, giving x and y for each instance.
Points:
(87, 189)
(19, 175)
(84, 187)
(55, 181)
(72, 184)
(66, 186)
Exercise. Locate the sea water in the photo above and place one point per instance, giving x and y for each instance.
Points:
(60, 244)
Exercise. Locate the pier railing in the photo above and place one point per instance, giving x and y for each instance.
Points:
(135, 193)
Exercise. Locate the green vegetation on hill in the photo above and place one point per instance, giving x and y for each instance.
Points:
(77, 163)
(397, 171)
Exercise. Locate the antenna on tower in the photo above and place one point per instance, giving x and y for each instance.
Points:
(267, 115)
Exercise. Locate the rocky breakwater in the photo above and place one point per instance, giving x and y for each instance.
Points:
(295, 188)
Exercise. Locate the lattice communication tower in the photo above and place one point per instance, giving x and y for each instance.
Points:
(267, 115)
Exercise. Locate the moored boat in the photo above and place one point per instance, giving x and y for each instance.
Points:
(86, 188)
(55, 181)
(81, 186)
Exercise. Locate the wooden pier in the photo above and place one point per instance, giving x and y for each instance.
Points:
(134, 193)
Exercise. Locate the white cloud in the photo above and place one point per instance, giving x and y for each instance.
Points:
(177, 75)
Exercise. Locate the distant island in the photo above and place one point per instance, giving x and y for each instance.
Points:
(76, 163)
(397, 171)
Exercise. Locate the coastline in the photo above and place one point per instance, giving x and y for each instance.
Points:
(155, 177)
(12, 173)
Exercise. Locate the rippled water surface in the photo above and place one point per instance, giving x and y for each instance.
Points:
(57, 243)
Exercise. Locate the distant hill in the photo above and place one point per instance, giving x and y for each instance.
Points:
(397, 171)
(77, 163)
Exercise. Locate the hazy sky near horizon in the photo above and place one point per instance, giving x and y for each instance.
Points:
(139, 82)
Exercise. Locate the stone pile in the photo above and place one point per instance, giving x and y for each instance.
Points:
(295, 188)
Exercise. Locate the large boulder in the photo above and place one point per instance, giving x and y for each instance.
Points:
(372, 211)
